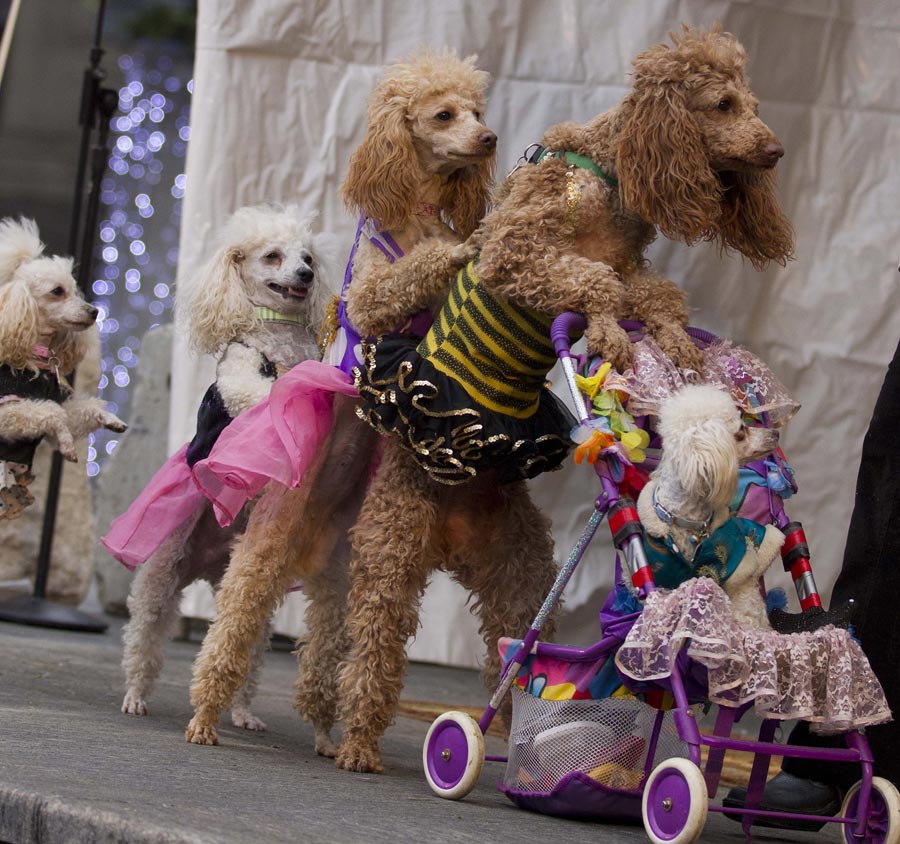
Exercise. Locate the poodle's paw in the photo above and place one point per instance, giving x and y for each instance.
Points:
(678, 346)
(605, 337)
(134, 704)
(325, 746)
(246, 720)
(201, 732)
(361, 757)
(111, 422)
(65, 444)
(463, 252)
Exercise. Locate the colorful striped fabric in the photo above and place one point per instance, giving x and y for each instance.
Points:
(499, 352)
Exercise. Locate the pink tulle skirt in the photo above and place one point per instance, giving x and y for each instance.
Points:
(274, 441)
(163, 506)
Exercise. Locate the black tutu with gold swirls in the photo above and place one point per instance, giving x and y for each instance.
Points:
(450, 434)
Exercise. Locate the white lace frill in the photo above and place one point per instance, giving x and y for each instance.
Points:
(822, 676)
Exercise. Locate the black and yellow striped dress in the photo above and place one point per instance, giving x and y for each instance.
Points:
(471, 396)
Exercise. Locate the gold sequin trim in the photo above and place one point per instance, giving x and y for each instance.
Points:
(447, 458)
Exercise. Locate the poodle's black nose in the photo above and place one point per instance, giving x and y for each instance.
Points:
(92, 312)
(304, 275)
(488, 140)
(773, 150)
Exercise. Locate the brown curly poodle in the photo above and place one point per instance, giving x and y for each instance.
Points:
(685, 154)
(427, 159)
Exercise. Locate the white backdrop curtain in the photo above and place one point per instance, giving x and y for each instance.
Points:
(279, 103)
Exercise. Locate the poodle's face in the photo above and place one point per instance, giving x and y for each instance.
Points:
(726, 113)
(55, 295)
(279, 271)
(448, 131)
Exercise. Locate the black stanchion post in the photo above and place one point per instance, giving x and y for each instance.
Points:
(97, 107)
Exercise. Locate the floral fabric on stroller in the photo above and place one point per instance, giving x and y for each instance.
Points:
(610, 731)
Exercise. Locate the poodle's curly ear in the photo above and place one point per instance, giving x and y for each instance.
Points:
(72, 346)
(381, 181)
(705, 461)
(466, 195)
(662, 167)
(753, 222)
(215, 304)
(19, 325)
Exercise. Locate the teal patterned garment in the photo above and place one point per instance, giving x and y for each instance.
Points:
(717, 556)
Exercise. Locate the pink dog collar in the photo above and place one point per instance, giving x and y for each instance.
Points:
(45, 358)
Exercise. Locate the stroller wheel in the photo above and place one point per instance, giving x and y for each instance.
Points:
(453, 755)
(675, 804)
(883, 817)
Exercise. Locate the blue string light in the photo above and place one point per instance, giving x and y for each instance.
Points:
(137, 251)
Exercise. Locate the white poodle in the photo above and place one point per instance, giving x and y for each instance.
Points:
(256, 305)
(684, 508)
(44, 323)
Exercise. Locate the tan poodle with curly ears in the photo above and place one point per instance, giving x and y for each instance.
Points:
(685, 154)
(424, 170)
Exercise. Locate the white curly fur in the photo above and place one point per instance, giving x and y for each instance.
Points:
(705, 441)
(268, 256)
(216, 307)
(40, 305)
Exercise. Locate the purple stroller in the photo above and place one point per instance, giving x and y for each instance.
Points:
(608, 748)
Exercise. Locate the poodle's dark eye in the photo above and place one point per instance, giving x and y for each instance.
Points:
(741, 435)
(478, 116)
(272, 257)
(724, 105)
(443, 116)
(307, 259)
(57, 291)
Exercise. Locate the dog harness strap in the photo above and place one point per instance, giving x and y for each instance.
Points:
(577, 159)
(382, 241)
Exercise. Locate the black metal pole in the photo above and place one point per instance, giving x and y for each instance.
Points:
(97, 107)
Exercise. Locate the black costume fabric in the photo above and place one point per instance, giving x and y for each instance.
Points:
(452, 436)
(26, 384)
(213, 418)
(870, 574)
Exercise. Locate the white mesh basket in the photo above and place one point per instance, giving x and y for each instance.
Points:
(607, 739)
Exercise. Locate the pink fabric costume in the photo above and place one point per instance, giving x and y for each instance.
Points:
(172, 497)
(163, 506)
(278, 439)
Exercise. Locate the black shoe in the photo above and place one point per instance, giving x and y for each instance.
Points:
(787, 793)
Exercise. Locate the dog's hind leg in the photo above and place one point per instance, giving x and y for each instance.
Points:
(389, 571)
(153, 606)
(256, 580)
(335, 489)
(511, 575)
(241, 716)
(316, 692)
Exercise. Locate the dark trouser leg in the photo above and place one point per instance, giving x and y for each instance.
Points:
(870, 574)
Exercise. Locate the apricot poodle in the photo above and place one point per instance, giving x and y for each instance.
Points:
(424, 170)
(684, 153)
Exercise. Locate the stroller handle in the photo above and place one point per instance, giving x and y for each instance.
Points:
(562, 328)
(565, 325)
